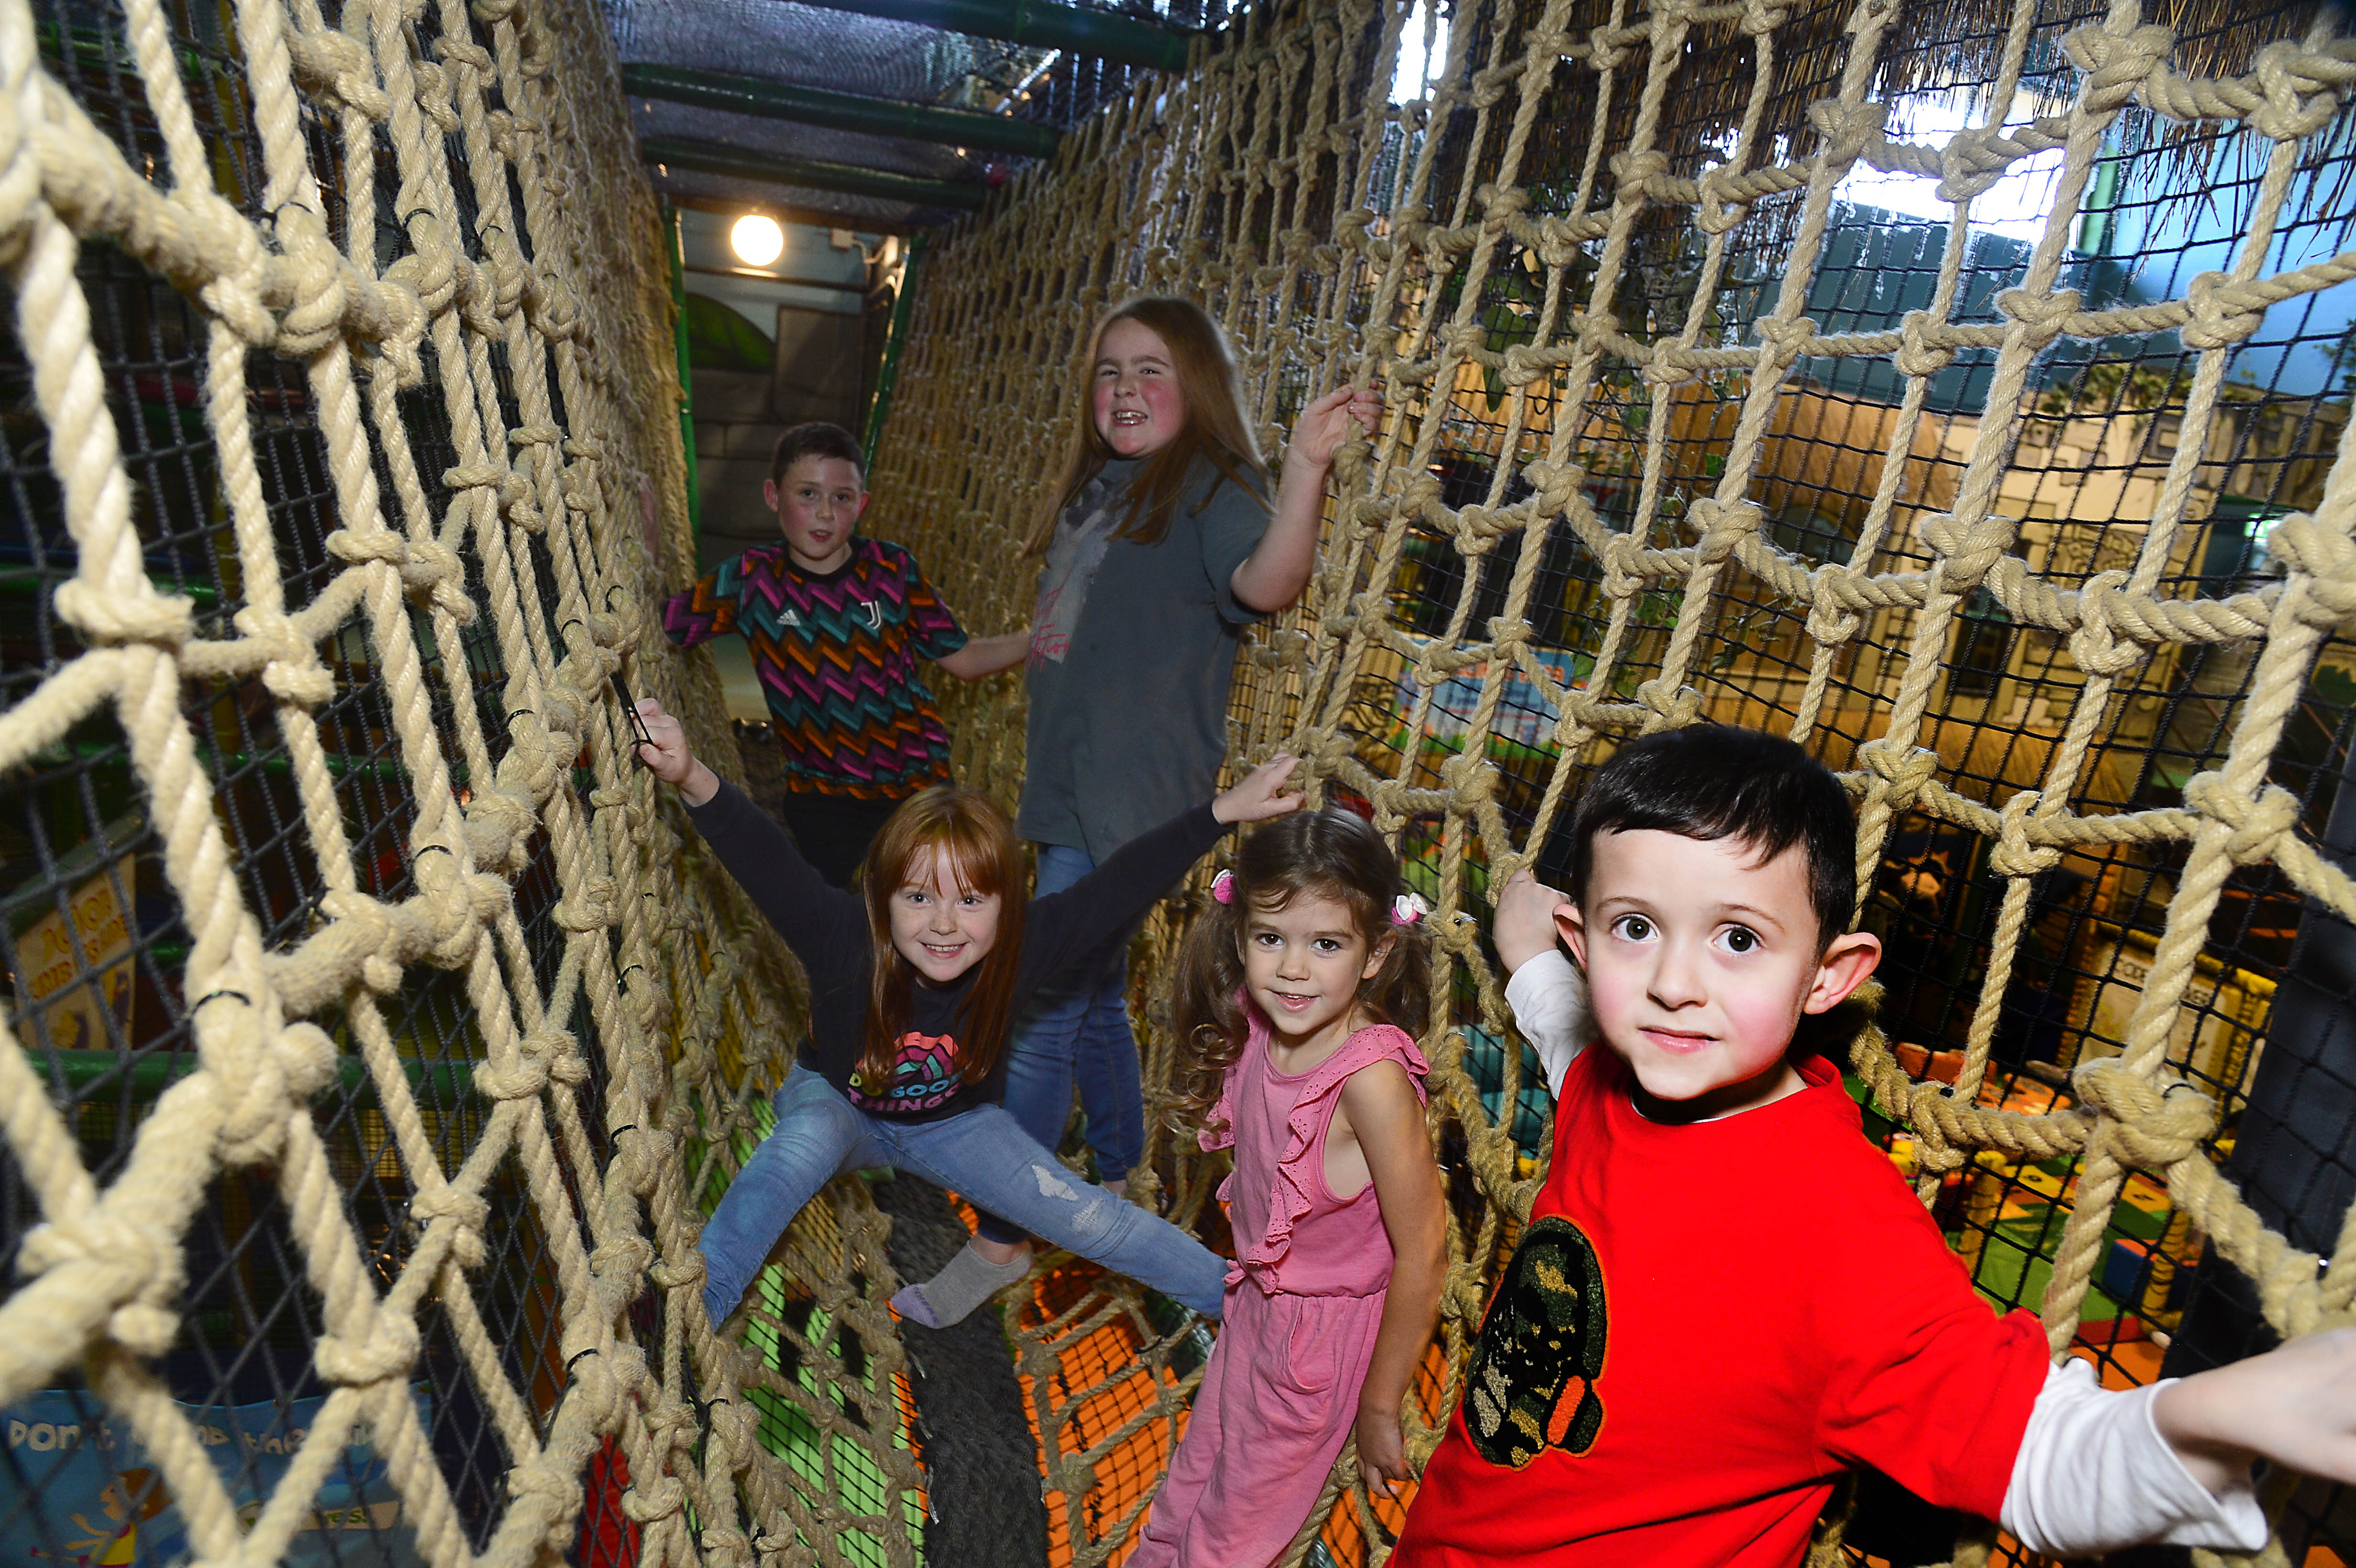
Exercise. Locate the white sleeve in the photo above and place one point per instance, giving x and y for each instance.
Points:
(2094, 1474)
(1549, 997)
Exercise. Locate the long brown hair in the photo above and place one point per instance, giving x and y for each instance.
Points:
(1211, 389)
(1334, 854)
(971, 833)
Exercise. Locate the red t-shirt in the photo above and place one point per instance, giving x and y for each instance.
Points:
(1702, 1326)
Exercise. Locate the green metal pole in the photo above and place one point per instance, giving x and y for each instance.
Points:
(713, 158)
(1097, 35)
(675, 242)
(151, 1075)
(895, 340)
(839, 111)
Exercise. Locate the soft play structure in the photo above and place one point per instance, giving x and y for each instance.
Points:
(1960, 388)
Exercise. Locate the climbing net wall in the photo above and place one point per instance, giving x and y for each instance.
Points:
(1961, 390)
(376, 1037)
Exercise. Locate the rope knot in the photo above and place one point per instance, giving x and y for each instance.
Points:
(591, 907)
(1624, 565)
(560, 1052)
(1673, 708)
(1603, 51)
(1923, 349)
(467, 1213)
(316, 276)
(1724, 525)
(2096, 645)
(2322, 563)
(2153, 1124)
(685, 1274)
(724, 1548)
(2223, 312)
(1721, 209)
(2285, 116)
(1974, 160)
(294, 673)
(2043, 315)
(1848, 129)
(389, 1350)
(1787, 340)
(290, 1064)
(331, 64)
(373, 929)
(1634, 172)
(1904, 770)
(1965, 554)
(2259, 826)
(2117, 65)
(135, 1268)
(138, 614)
(2014, 855)
(1831, 619)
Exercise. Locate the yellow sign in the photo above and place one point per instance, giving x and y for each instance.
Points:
(68, 1001)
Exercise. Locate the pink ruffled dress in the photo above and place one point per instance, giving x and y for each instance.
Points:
(1305, 1301)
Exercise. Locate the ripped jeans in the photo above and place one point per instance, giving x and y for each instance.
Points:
(982, 1154)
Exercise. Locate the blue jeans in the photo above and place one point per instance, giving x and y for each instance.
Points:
(981, 1154)
(1078, 1028)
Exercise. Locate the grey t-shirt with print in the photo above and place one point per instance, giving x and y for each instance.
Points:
(1133, 651)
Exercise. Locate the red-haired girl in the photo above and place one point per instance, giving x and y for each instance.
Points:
(912, 981)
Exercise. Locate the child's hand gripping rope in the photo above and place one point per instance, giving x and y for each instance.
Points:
(1328, 423)
(666, 755)
(1260, 793)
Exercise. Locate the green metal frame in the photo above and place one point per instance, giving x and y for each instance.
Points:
(841, 111)
(151, 1075)
(713, 158)
(895, 339)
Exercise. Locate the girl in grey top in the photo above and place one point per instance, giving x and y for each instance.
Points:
(1160, 547)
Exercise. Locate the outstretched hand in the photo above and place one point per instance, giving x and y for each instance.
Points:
(1260, 793)
(2296, 1406)
(1331, 420)
(668, 757)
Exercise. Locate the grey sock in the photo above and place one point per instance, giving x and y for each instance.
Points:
(969, 1281)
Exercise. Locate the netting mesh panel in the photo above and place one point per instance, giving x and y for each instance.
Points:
(1960, 389)
(374, 1042)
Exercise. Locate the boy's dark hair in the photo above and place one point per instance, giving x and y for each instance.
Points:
(1714, 781)
(816, 438)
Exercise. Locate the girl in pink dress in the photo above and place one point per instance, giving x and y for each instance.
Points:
(1292, 992)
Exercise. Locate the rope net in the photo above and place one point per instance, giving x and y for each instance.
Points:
(378, 1037)
(1960, 389)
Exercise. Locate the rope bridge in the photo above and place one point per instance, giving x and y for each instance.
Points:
(380, 1036)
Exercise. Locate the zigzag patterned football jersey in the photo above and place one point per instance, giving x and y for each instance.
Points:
(836, 656)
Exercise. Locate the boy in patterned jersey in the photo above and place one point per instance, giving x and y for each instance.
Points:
(836, 622)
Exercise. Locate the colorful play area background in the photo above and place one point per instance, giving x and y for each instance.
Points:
(1963, 387)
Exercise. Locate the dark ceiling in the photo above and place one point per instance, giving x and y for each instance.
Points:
(886, 115)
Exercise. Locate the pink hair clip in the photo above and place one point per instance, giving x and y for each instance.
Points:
(1409, 908)
(1223, 886)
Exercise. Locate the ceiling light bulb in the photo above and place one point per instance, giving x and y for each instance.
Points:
(758, 241)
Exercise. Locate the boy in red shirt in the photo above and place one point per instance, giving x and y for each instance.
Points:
(1712, 872)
